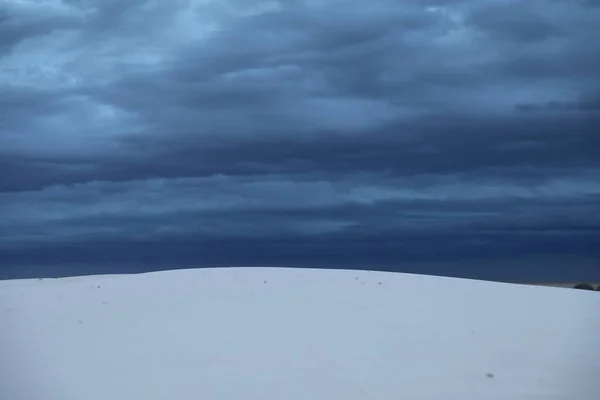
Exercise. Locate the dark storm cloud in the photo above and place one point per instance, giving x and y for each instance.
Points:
(227, 120)
(21, 23)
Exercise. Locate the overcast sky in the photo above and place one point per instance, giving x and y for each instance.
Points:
(427, 136)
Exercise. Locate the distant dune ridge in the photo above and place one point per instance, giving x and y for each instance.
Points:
(295, 334)
(574, 285)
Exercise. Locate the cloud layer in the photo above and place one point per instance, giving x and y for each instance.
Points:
(469, 126)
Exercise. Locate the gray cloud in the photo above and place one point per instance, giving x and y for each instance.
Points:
(236, 120)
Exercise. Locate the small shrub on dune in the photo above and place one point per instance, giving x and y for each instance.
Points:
(584, 286)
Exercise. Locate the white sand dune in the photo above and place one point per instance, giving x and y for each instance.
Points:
(295, 334)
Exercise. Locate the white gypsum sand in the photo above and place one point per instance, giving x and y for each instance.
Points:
(295, 334)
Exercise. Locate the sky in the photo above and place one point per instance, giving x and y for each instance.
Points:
(445, 137)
